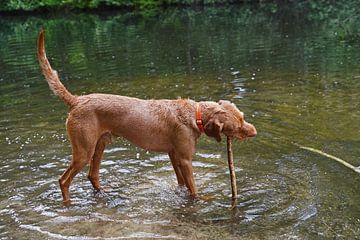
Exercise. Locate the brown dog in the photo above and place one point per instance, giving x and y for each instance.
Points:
(170, 126)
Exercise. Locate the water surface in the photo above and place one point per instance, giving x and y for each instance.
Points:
(296, 82)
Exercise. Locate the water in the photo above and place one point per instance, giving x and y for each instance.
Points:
(296, 82)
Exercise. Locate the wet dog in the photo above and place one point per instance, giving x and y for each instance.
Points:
(170, 126)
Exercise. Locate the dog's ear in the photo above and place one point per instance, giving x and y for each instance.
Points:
(213, 129)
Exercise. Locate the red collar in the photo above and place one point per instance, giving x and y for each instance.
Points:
(199, 121)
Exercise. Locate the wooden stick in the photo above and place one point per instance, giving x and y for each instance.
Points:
(231, 169)
(356, 169)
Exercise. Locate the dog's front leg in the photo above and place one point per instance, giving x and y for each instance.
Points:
(176, 165)
(187, 173)
(181, 156)
(184, 171)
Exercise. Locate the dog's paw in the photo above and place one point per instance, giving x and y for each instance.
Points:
(66, 203)
(103, 191)
(205, 198)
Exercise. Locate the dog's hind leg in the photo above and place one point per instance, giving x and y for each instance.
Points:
(93, 174)
(83, 147)
(79, 160)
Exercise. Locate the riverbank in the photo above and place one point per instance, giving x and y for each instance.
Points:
(342, 16)
(27, 6)
(323, 7)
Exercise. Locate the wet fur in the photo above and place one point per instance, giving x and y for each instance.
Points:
(157, 125)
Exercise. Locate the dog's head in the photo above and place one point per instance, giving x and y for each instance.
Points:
(227, 119)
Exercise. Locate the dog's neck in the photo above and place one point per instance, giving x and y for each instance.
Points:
(199, 117)
(187, 112)
(208, 108)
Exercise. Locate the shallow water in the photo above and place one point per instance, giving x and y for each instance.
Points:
(296, 82)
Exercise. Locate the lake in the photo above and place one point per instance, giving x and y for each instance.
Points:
(295, 80)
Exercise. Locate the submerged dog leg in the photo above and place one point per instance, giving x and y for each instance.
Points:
(93, 174)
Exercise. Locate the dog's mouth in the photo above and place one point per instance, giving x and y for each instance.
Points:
(247, 132)
(242, 138)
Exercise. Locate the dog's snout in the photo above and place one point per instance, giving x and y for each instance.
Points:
(253, 132)
(250, 130)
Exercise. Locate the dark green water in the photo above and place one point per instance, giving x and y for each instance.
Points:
(296, 81)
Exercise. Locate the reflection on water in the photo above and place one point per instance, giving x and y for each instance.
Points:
(293, 84)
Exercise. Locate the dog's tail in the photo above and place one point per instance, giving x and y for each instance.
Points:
(51, 75)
